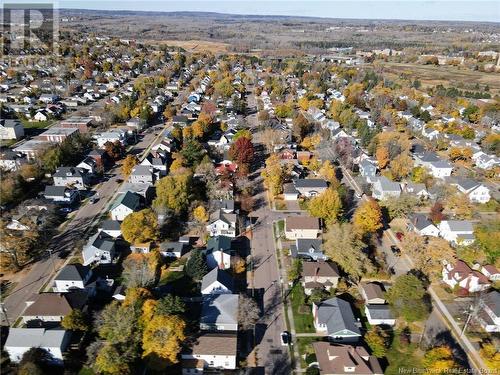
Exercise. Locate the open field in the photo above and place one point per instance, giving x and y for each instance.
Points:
(431, 75)
(195, 45)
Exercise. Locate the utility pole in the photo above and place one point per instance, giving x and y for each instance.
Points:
(51, 260)
(4, 312)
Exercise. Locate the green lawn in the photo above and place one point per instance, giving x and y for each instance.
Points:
(302, 314)
(402, 356)
(305, 347)
(281, 227)
(36, 124)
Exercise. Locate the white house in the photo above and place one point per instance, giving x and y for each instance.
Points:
(100, 249)
(72, 276)
(460, 275)
(457, 232)
(219, 312)
(440, 169)
(491, 272)
(222, 224)
(302, 227)
(218, 252)
(20, 340)
(420, 224)
(11, 129)
(335, 318)
(475, 191)
(489, 316)
(379, 315)
(124, 205)
(217, 281)
(216, 351)
(111, 228)
(112, 136)
(384, 188)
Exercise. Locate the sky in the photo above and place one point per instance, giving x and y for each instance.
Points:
(448, 10)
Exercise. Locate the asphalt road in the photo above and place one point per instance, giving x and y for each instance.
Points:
(70, 239)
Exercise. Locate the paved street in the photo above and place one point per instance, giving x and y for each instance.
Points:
(75, 231)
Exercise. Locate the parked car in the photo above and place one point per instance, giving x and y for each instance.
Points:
(395, 250)
(93, 199)
(65, 210)
(400, 236)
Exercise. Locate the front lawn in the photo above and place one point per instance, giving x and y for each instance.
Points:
(306, 349)
(402, 355)
(302, 314)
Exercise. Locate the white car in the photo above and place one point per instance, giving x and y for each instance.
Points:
(285, 338)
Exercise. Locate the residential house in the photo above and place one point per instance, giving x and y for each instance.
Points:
(219, 312)
(100, 249)
(11, 161)
(380, 315)
(72, 177)
(339, 359)
(112, 136)
(334, 318)
(420, 224)
(11, 129)
(485, 161)
(111, 228)
(124, 205)
(302, 227)
(41, 115)
(310, 187)
(430, 133)
(157, 162)
(136, 123)
(180, 120)
(218, 252)
(61, 194)
(226, 205)
(217, 281)
(384, 188)
(373, 293)
(491, 272)
(367, 168)
(489, 313)
(290, 193)
(172, 249)
(457, 232)
(440, 169)
(89, 164)
(53, 307)
(319, 275)
(460, 275)
(73, 276)
(415, 189)
(21, 340)
(143, 174)
(474, 190)
(306, 248)
(222, 224)
(57, 134)
(145, 191)
(211, 351)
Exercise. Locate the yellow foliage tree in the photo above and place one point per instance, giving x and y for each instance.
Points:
(200, 214)
(367, 217)
(128, 164)
(439, 360)
(382, 155)
(327, 171)
(140, 227)
(161, 340)
(326, 206)
(187, 132)
(401, 166)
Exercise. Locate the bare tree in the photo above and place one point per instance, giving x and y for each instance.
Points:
(248, 312)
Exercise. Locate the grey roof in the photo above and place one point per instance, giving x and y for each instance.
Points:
(310, 183)
(35, 337)
(218, 243)
(69, 172)
(217, 275)
(289, 188)
(172, 247)
(102, 241)
(428, 157)
(419, 221)
(441, 164)
(466, 183)
(9, 123)
(460, 225)
(220, 309)
(492, 299)
(338, 316)
(380, 311)
(73, 272)
(305, 247)
(128, 199)
(142, 170)
(225, 204)
(180, 119)
(388, 185)
(111, 225)
(54, 191)
(221, 215)
(367, 164)
(138, 188)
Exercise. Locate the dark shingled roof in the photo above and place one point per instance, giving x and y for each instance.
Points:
(73, 272)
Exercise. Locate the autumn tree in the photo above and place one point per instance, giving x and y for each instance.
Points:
(436, 214)
(301, 127)
(343, 246)
(401, 166)
(242, 151)
(490, 354)
(407, 298)
(487, 235)
(326, 206)
(460, 205)
(248, 312)
(400, 206)
(162, 339)
(140, 227)
(192, 153)
(200, 214)
(173, 191)
(378, 341)
(242, 133)
(270, 137)
(327, 171)
(18, 247)
(382, 156)
(274, 174)
(170, 305)
(75, 321)
(439, 360)
(109, 361)
(367, 217)
(295, 271)
(140, 270)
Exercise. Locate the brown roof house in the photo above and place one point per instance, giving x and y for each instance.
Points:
(334, 359)
(302, 227)
(373, 293)
(53, 307)
(319, 275)
(211, 351)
